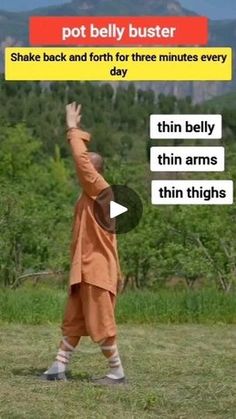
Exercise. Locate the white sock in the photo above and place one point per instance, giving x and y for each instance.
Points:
(61, 363)
(116, 373)
(116, 369)
(56, 367)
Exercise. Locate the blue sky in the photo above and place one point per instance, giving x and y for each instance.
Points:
(19, 5)
(215, 9)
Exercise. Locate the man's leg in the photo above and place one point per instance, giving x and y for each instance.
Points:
(57, 370)
(72, 328)
(99, 316)
(110, 351)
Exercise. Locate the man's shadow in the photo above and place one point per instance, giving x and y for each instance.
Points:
(38, 372)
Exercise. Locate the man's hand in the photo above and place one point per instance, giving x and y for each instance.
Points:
(73, 115)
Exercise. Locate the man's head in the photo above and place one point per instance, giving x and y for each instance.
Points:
(97, 161)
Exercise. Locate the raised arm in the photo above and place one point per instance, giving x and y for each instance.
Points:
(90, 179)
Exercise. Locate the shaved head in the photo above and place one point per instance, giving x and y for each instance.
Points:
(97, 161)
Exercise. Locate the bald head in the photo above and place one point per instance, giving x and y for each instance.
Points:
(97, 161)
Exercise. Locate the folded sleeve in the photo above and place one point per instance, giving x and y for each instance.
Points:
(91, 181)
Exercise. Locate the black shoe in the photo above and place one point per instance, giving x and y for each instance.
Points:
(59, 376)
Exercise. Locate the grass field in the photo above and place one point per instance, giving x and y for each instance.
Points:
(179, 372)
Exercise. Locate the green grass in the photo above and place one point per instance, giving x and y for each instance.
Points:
(185, 371)
(45, 305)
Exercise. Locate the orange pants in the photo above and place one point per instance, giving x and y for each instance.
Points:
(89, 312)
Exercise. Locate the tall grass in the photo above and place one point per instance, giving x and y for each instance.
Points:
(45, 305)
(207, 306)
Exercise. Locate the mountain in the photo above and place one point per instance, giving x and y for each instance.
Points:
(211, 8)
(14, 31)
(122, 7)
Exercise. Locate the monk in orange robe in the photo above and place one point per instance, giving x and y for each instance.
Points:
(95, 272)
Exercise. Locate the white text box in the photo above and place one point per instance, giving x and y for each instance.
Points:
(185, 127)
(192, 192)
(187, 159)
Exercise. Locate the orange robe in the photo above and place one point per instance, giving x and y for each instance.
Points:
(94, 250)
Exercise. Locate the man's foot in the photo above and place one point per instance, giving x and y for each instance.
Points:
(59, 376)
(107, 381)
(57, 372)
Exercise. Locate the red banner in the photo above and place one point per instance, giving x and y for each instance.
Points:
(122, 31)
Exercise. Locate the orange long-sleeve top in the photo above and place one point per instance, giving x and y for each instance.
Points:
(94, 255)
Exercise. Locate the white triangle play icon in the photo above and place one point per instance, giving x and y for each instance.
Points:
(116, 209)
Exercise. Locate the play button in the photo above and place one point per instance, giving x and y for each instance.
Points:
(118, 209)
